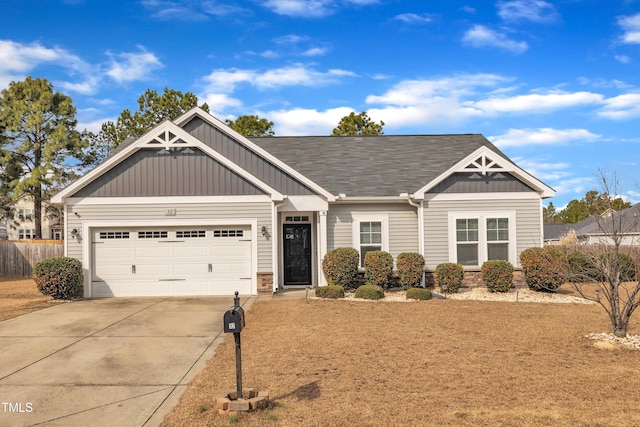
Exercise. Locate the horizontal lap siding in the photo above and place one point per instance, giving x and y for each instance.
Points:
(205, 212)
(403, 226)
(436, 225)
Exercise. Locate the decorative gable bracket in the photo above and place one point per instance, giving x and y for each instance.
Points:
(483, 164)
(167, 140)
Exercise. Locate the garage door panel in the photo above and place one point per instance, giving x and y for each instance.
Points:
(192, 288)
(101, 289)
(240, 249)
(159, 270)
(156, 287)
(156, 250)
(190, 251)
(191, 268)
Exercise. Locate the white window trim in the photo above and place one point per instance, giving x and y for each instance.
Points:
(383, 219)
(482, 234)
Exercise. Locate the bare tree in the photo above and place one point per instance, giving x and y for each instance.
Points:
(613, 260)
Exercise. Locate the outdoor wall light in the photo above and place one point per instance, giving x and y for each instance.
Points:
(74, 232)
(264, 230)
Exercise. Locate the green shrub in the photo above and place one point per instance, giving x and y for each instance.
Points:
(340, 267)
(625, 265)
(369, 292)
(497, 275)
(545, 269)
(582, 267)
(410, 269)
(449, 276)
(331, 291)
(418, 293)
(378, 268)
(60, 278)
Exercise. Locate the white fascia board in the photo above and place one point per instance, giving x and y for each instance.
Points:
(150, 139)
(543, 190)
(214, 121)
(480, 196)
(381, 199)
(172, 200)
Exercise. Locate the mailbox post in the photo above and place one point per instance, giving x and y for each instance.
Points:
(234, 323)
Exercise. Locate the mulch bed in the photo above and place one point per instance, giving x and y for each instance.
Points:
(438, 362)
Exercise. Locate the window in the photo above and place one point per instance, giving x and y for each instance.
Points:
(467, 241)
(370, 233)
(25, 214)
(152, 234)
(302, 218)
(476, 238)
(114, 235)
(182, 234)
(26, 233)
(228, 233)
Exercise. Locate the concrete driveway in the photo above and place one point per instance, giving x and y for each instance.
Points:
(107, 362)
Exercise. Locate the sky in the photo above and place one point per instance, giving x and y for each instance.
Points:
(554, 84)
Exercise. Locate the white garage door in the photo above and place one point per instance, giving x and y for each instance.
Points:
(171, 261)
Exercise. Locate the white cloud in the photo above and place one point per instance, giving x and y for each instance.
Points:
(226, 80)
(543, 169)
(413, 18)
(622, 58)
(301, 121)
(527, 10)
(315, 51)
(219, 103)
(537, 102)
(190, 10)
(312, 8)
(626, 106)
(481, 36)
(290, 39)
(132, 66)
(631, 27)
(541, 136)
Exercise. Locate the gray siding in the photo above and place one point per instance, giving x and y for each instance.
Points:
(460, 182)
(204, 211)
(245, 158)
(436, 224)
(158, 172)
(403, 225)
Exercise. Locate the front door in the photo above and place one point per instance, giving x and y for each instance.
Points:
(297, 254)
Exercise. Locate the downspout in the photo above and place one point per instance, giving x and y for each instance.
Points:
(275, 257)
(420, 210)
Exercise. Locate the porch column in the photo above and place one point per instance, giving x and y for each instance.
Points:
(322, 245)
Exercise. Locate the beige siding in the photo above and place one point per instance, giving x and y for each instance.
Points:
(403, 225)
(528, 223)
(203, 211)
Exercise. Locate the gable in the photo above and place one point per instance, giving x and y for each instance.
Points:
(476, 182)
(153, 172)
(246, 158)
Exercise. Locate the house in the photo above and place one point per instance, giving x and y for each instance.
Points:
(194, 208)
(596, 229)
(22, 225)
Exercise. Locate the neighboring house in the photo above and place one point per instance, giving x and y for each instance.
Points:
(194, 208)
(22, 225)
(596, 229)
(4, 225)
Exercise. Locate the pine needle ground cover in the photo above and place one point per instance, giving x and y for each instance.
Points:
(20, 296)
(429, 363)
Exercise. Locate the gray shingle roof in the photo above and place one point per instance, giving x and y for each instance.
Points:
(628, 220)
(370, 166)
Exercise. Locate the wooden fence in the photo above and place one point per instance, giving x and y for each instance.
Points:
(17, 258)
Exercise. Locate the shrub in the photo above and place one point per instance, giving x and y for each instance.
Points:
(60, 278)
(369, 292)
(625, 265)
(497, 275)
(410, 269)
(545, 269)
(378, 268)
(582, 267)
(449, 276)
(340, 267)
(418, 293)
(331, 291)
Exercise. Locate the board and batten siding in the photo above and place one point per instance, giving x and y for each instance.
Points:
(157, 211)
(436, 224)
(403, 225)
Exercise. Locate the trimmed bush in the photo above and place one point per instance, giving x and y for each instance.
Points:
(625, 265)
(378, 268)
(545, 269)
(582, 267)
(60, 277)
(419, 293)
(449, 276)
(369, 292)
(340, 267)
(410, 269)
(331, 291)
(497, 275)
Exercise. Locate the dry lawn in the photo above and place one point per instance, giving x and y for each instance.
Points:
(432, 363)
(20, 296)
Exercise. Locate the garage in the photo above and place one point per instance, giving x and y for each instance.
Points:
(168, 261)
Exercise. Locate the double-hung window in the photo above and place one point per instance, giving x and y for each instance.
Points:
(476, 238)
(370, 233)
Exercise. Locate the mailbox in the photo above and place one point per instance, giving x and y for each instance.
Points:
(234, 320)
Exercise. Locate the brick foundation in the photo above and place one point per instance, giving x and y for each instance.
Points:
(473, 279)
(265, 283)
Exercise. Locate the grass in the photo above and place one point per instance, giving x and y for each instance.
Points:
(430, 363)
(20, 296)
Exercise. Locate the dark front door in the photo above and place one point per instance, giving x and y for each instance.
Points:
(297, 254)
